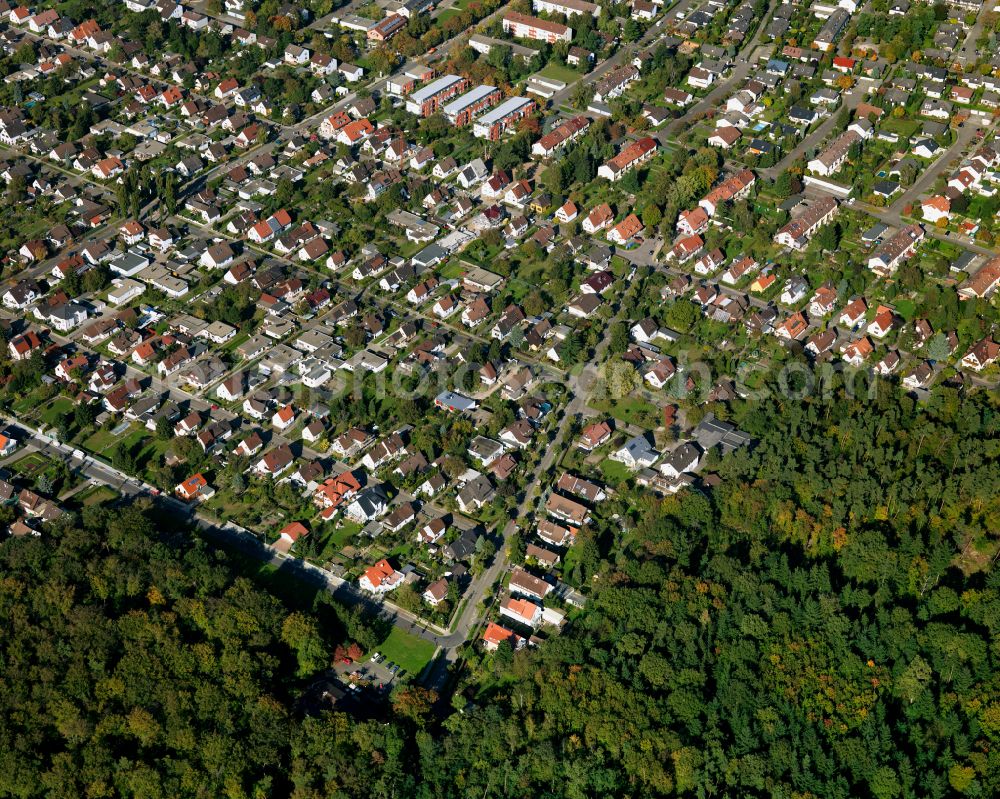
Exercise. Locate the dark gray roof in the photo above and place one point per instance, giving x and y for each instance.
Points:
(711, 432)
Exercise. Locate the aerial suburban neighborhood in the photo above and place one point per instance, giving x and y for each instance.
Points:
(421, 295)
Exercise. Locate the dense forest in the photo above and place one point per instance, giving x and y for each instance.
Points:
(824, 623)
(134, 662)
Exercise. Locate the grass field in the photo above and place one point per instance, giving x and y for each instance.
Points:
(95, 495)
(630, 410)
(614, 472)
(556, 71)
(408, 651)
(56, 409)
(99, 441)
(336, 540)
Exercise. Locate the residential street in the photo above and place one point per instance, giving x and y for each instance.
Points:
(943, 164)
(817, 137)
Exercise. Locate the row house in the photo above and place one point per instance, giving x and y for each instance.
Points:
(524, 27)
(733, 188)
(833, 157)
(494, 124)
(560, 136)
(461, 111)
(637, 153)
(797, 233)
(430, 98)
(568, 8)
(615, 83)
(886, 260)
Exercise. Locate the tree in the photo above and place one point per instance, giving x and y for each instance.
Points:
(25, 53)
(485, 549)
(382, 61)
(914, 680)
(236, 483)
(621, 378)
(787, 184)
(619, 335)
(828, 237)
(581, 94)
(16, 189)
(938, 348)
(961, 777)
(681, 315)
(516, 548)
(651, 216)
(517, 338)
(499, 57)
(570, 349)
(413, 703)
(355, 335)
(884, 783)
(302, 636)
(535, 304)
(555, 179)
(512, 153)
(164, 430)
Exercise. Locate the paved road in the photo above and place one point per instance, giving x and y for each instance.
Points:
(894, 218)
(468, 626)
(941, 165)
(968, 51)
(652, 34)
(743, 64)
(471, 617)
(813, 140)
(235, 536)
(227, 532)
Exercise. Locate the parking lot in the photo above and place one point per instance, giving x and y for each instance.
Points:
(372, 673)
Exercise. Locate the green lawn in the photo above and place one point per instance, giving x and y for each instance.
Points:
(631, 410)
(242, 509)
(99, 441)
(136, 437)
(557, 71)
(56, 409)
(569, 562)
(532, 274)
(409, 651)
(906, 309)
(619, 266)
(152, 454)
(904, 127)
(453, 270)
(28, 406)
(614, 472)
(336, 540)
(95, 495)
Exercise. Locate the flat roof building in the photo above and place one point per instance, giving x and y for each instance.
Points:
(493, 125)
(427, 100)
(462, 110)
